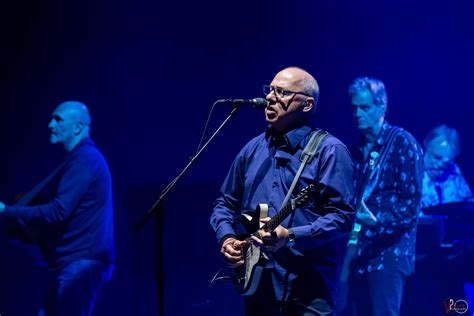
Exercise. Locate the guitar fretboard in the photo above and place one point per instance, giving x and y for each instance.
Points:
(287, 209)
(278, 218)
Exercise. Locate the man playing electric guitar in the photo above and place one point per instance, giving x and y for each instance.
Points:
(389, 169)
(307, 247)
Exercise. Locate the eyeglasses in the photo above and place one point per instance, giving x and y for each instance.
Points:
(279, 92)
(440, 160)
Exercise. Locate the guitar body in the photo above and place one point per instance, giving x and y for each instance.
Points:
(247, 277)
(245, 224)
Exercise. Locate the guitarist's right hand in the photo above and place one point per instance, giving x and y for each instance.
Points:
(231, 249)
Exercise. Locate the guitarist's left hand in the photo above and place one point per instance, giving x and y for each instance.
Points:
(274, 240)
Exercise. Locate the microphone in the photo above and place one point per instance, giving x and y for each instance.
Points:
(257, 103)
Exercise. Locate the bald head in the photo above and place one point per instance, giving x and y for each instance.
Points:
(77, 110)
(70, 124)
(303, 80)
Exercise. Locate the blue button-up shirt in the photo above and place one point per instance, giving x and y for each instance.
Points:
(262, 173)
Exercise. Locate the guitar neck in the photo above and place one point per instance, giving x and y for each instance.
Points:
(278, 218)
(370, 169)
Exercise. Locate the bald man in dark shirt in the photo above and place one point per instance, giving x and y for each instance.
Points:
(75, 228)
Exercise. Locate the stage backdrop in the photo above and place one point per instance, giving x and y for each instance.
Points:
(149, 72)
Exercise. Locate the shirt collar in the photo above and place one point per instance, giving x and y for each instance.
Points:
(84, 142)
(381, 137)
(292, 138)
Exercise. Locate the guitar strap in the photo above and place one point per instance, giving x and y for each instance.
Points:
(307, 156)
(370, 176)
(25, 199)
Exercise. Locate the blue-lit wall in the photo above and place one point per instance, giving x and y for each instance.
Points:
(150, 71)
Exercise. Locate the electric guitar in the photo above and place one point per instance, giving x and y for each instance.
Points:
(353, 241)
(247, 276)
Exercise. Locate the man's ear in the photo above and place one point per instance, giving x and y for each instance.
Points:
(78, 128)
(308, 106)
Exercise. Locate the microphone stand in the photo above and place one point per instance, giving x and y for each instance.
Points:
(158, 211)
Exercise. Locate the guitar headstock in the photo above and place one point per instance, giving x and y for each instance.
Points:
(303, 196)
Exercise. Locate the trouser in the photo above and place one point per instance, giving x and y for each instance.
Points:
(264, 302)
(376, 293)
(72, 290)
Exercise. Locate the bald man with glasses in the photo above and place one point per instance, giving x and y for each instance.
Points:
(307, 247)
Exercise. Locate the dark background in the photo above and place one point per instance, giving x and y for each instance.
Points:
(149, 72)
